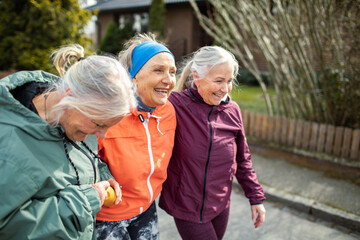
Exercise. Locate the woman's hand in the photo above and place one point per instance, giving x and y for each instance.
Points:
(258, 214)
(103, 185)
(101, 189)
(117, 189)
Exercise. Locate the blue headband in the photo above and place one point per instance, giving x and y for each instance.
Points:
(142, 53)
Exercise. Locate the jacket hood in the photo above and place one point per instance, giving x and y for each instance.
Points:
(14, 114)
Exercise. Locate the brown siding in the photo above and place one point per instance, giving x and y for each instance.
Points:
(103, 21)
(178, 27)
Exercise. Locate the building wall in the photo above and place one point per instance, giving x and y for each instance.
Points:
(179, 33)
(183, 32)
(103, 21)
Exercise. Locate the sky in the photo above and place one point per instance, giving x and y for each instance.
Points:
(90, 28)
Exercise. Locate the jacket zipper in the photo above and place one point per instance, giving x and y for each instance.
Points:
(87, 155)
(152, 165)
(206, 166)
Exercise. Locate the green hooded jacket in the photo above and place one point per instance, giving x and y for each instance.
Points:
(40, 198)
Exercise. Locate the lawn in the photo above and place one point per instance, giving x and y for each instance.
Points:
(250, 98)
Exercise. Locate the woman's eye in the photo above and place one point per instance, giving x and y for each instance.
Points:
(98, 125)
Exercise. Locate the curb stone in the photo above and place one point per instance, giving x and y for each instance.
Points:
(325, 212)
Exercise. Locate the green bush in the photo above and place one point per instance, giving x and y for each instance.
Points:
(247, 78)
(30, 30)
(115, 38)
(157, 18)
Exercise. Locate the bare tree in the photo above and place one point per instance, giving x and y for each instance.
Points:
(311, 50)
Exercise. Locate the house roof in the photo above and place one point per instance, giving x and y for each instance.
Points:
(110, 5)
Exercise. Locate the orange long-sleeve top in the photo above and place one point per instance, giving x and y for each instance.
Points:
(137, 151)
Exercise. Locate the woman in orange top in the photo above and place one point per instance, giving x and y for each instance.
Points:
(138, 149)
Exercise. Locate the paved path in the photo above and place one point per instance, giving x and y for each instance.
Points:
(282, 223)
(323, 191)
(313, 200)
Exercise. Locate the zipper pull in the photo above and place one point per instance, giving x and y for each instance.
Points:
(141, 117)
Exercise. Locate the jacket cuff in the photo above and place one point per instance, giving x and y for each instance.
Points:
(93, 198)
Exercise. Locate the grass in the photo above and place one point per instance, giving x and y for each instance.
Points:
(250, 98)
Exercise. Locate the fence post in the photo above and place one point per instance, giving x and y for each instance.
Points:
(329, 142)
(345, 153)
(277, 133)
(322, 138)
(355, 145)
(284, 130)
(314, 136)
(291, 132)
(245, 119)
(306, 135)
(298, 133)
(264, 128)
(258, 123)
(270, 130)
(252, 124)
(339, 133)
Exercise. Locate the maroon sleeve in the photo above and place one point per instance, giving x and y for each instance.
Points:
(245, 174)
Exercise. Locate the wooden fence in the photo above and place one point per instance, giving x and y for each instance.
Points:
(336, 141)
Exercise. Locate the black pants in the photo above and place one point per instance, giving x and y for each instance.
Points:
(213, 230)
(143, 226)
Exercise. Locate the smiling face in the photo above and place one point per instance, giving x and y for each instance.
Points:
(156, 79)
(216, 84)
(77, 126)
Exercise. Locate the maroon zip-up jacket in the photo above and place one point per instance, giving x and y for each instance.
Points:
(210, 149)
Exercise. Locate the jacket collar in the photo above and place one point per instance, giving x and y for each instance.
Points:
(147, 115)
(142, 107)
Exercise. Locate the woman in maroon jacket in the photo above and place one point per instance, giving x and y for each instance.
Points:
(210, 149)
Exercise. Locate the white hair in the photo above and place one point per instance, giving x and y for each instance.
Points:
(203, 60)
(100, 87)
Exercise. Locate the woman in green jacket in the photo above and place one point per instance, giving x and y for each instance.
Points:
(52, 181)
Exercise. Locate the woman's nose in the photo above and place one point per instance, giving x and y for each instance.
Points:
(168, 78)
(225, 88)
(101, 133)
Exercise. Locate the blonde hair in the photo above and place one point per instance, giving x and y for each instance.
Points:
(100, 87)
(203, 60)
(126, 55)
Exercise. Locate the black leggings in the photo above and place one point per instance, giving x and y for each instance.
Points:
(213, 230)
(143, 226)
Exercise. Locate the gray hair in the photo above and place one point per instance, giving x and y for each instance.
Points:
(203, 60)
(99, 86)
(130, 45)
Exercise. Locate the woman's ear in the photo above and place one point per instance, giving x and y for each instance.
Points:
(196, 78)
(134, 81)
(67, 92)
(195, 75)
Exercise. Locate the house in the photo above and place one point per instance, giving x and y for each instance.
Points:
(183, 32)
